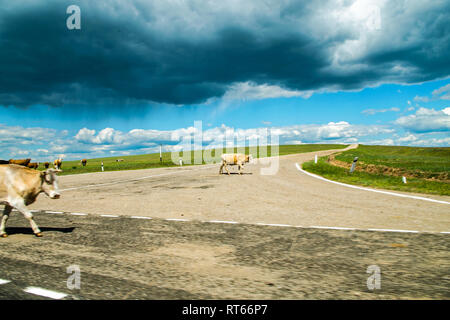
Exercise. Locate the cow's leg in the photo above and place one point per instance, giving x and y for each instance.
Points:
(29, 216)
(226, 168)
(221, 169)
(240, 168)
(5, 217)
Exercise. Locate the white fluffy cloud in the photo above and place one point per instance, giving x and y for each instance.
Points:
(426, 120)
(43, 144)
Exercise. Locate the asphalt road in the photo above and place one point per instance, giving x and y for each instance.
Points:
(128, 258)
(286, 197)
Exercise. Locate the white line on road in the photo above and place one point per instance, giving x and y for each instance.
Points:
(45, 293)
(393, 230)
(3, 281)
(333, 228)
(277, 224)
(140, 217)
(221, 221)
(274, 224)
(78, 214)
(55, 212)
(368, 189)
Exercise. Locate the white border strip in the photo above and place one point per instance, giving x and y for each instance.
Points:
(367, 189)
(3, 281)
(220, 221)
(393, 230)
(272, 224)
(45, 293)
(332, 228)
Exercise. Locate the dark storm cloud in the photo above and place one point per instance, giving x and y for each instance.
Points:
(184, 53)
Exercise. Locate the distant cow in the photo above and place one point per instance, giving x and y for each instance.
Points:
(22, 162)
(20, 186)
(238, 159)
(83, 162)
(33, 165)
(4, 161)
(58, 163)
(119, 160)
(46, 165)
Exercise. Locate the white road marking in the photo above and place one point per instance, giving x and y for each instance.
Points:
(54, 212)
(393, 230)
(274, 224)
(368, 189)
(3, 281)
(137, 179)
(140, 217)
(333, 228)
(220, 221)
(45, 293)
(78, 214)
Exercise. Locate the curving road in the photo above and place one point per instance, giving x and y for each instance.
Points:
(122, 255)
(288, 197)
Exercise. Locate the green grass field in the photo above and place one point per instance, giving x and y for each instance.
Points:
(422, 165)
(152, 160)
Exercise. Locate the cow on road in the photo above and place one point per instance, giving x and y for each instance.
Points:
(20, 186)
(238, 159)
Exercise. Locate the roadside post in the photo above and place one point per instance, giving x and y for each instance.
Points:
(181, 162)
(103, 169)
(404, 179)
(315, 158)
(353, 165)
(160, 153)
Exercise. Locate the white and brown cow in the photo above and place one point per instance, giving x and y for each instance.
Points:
(238, 159)
(20, 186)
(58, 163)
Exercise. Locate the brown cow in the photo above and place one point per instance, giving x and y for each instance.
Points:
(58, 163)
(238, 159)
(20, 186)
(46, 165)
(4, 162)
(33, 165)
(83, 162)
(22, 162)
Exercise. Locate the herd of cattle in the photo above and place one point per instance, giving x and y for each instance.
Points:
(20, 185)
(34, 165)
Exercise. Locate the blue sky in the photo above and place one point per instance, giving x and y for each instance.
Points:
(372, 72)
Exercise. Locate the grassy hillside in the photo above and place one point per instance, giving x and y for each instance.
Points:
(427, 169)
(408, 158)
(152, 160)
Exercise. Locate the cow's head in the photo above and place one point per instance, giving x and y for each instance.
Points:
(50, 184)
